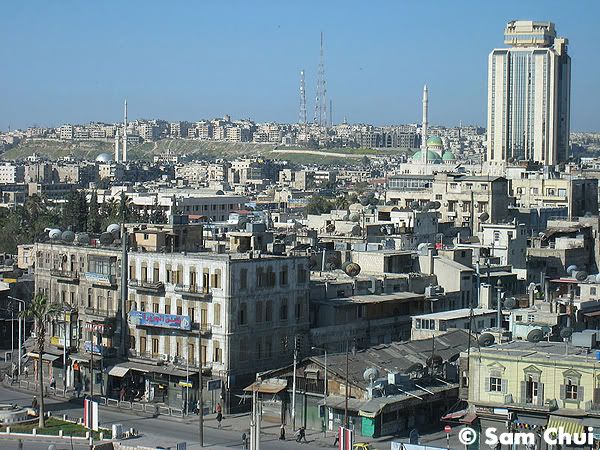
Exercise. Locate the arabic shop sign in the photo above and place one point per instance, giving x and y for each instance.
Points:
(149, 319)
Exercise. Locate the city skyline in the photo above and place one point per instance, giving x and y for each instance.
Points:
(63, 69)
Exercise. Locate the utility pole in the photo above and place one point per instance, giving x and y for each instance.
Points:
(200, 388)
(294, 384)
(346, 395)
(499, 287)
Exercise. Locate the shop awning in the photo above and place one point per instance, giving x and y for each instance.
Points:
(455, 415)
(271, 386)
(45, 357)
(592, 314)
(569, 425)
(118, 371)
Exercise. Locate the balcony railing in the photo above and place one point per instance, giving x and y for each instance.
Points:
(203, 328)
(192, 291)
(99, 312)
(66, 275)
(147, 286)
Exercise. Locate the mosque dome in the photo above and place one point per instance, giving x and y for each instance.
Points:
(448, 156)
(432, 157)
(435, 143)
(104, 158)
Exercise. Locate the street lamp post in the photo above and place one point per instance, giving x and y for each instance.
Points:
(21, 307)
(324, 389)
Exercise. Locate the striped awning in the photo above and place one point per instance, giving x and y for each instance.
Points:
(569, 425)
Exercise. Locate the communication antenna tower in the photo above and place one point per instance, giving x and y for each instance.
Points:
(321, 97)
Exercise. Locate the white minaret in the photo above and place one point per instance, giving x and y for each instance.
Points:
(424, 126)
(117, 145)
(125, 134)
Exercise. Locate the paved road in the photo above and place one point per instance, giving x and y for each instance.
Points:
(154, 431)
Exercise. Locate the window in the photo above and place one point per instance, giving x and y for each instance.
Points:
(530, 318)
(155, 308)
(154, 346)
(216, 279)
(593, 291)
(217, 314)
(283, 276)
(167, 309)
(283, 310)
(243, 279)
(192, 314)
(301, 274)
(268, 311)
(259, 311)
(143, 344)
(179, 310)
(570, 390)
(298, 309)
(217, 352)
(242, 315)
(495, 384)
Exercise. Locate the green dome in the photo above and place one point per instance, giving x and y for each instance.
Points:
(432, 157)
(448, 156)
(435, 142)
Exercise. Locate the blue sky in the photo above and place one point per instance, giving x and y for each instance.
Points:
(75, 61)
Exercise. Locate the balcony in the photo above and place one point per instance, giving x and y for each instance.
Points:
(65, 276)
(204, 329)
(100, 279)
(193, 292)
(99, 313)
(147, 286)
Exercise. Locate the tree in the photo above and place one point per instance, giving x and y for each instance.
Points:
(42, 312)
(75, 211)
(319, 205)
(93, 217)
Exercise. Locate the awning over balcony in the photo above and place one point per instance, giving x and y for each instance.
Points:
(270, 386)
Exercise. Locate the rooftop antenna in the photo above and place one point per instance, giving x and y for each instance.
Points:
(124, 151)
(302, 117)
(320, 99)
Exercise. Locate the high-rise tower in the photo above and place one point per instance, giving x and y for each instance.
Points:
(125, 133)
(424, 125)
(117, 145)
(302, 117)
(529, 92)
(321, 95)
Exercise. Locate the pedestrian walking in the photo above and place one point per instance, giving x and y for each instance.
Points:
(34, 403)
(282, 433)
(26, 371)
(337, 438)
(53, 382)
(301, 434)
(244, 441)
(219, 419)
(78, 388)
(122, 393)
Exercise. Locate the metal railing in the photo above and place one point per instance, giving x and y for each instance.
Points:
(64, 274)
(155, 286)
(193, 291)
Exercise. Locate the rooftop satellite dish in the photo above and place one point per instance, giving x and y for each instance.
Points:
(415, 368)
(510, 303)
(82, 238)
(486, 339)
(415, 205)
(571, 268)
(312, 262)
(9, 262)
(566, 332)
(330, 228)
(55, 233)
(423, 249)
(356, 230)
(434, 360)
(106, 238)
(429, 205)
(364, 201)
(113, 228)
(354, 217)
(580, 275)
(484, 216)
(535, 335)
(352, 269)
(370, 374)
(437, 204)
(67, 236)
(598, 278)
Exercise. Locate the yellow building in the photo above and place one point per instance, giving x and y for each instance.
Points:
(525, 385)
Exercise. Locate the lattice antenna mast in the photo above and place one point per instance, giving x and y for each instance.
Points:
(321, 97)
(302, 117)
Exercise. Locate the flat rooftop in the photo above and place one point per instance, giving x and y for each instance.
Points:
(457, 313)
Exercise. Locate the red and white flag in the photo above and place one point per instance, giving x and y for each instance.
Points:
(90, 414)
(346, 438)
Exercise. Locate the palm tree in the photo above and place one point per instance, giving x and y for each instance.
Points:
(42, 312)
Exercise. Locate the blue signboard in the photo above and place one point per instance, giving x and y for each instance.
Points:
(150, 319)
(87, 346)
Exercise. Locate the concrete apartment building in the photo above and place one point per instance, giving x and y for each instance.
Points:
(529, 385)
(464, 198)
(11, 173)
(529, 90)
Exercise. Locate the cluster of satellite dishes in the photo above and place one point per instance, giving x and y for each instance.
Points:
(368, 199)
(579, 275)
(333, 262)
(417, 206)
(108, 237)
